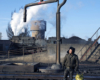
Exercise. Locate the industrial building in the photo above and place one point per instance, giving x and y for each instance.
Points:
(4, 45)
(37, 29)
(71, 40)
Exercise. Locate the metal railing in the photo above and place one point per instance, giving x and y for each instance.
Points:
(89, 42)
(89, 48)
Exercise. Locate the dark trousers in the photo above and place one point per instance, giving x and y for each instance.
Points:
(68, 72)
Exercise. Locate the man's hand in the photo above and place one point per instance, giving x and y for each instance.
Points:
(77, 71)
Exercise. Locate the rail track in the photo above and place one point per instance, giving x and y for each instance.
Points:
(91, 72)
(42, 76)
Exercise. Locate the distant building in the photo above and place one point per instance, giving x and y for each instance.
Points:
(4, 45)
(76, 40)
(52, 40)
(71, 40)
(29, 41)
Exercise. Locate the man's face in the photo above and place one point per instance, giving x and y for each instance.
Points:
(70, 51)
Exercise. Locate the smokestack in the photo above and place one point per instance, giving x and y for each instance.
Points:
(0, 35)
(38, 29)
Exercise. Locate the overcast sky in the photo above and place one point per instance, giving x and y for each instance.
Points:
(78, 17)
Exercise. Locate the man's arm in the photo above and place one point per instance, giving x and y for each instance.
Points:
(77, 64)
(63, 63)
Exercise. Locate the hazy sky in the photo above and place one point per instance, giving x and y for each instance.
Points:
(78, 17)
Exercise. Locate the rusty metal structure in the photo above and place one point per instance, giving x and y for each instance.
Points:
(89, 48)
(95, 44)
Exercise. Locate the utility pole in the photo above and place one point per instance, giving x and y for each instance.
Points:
(58, 32)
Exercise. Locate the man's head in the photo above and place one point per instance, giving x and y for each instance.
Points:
(71, 50)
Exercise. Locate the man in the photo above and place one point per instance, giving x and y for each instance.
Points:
(71, 63)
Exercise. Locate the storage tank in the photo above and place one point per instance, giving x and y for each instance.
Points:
(38, 29)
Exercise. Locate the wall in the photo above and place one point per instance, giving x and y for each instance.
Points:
(50, 55)
(64, 48)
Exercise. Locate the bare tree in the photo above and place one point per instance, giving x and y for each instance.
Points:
(9, 32)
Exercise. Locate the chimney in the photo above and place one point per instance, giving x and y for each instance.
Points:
(0, 35)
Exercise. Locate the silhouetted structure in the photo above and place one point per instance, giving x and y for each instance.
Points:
(4, 45)
(71, 40)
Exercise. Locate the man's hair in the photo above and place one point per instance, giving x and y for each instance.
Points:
(73, 50)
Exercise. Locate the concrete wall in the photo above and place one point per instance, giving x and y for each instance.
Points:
(50, 55)
(64, 48)
(37, 57)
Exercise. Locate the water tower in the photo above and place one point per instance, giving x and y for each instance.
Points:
(38, 29)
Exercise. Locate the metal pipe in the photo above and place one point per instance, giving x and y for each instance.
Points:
(58, 9)
(58, 38)
(33, 4)
(25, 11)
(58, 32)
